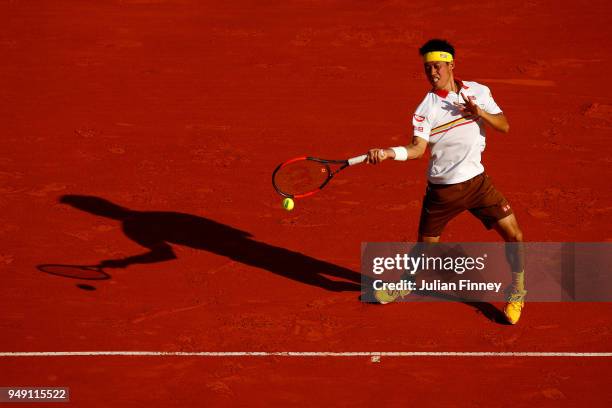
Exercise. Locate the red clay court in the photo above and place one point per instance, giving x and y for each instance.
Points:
(176, 112)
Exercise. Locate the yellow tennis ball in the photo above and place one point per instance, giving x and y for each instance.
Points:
(288, 204)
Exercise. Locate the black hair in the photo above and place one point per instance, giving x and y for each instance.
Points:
(437, 45)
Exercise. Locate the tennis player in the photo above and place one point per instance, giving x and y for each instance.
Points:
(451, 120)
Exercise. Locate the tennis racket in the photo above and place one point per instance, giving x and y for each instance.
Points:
(304, 176)
(86, 272)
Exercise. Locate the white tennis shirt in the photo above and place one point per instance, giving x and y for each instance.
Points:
(456, 142)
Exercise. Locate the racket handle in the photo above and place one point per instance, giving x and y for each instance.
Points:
(357, 160)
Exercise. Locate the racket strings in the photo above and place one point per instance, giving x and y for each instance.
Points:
(301, 177)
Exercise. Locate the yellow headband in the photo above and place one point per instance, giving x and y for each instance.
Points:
(437, 56)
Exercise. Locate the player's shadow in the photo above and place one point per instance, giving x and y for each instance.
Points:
(486, 309)
(157, 230)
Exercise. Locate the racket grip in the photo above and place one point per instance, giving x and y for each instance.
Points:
(357, 160)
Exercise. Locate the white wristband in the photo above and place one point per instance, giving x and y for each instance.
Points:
(401, 153)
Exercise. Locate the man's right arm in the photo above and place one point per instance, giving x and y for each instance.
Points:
(415, 150)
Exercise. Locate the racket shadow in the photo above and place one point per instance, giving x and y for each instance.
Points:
(81, 272)
(157, 230)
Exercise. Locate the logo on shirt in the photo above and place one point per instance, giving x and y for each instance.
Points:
(419, 118)
(418, 128)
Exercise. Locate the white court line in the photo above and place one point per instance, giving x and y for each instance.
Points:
(303, 354)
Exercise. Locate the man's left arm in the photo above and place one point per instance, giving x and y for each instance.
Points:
(497, 121)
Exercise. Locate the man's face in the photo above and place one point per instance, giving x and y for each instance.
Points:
(439, 73)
